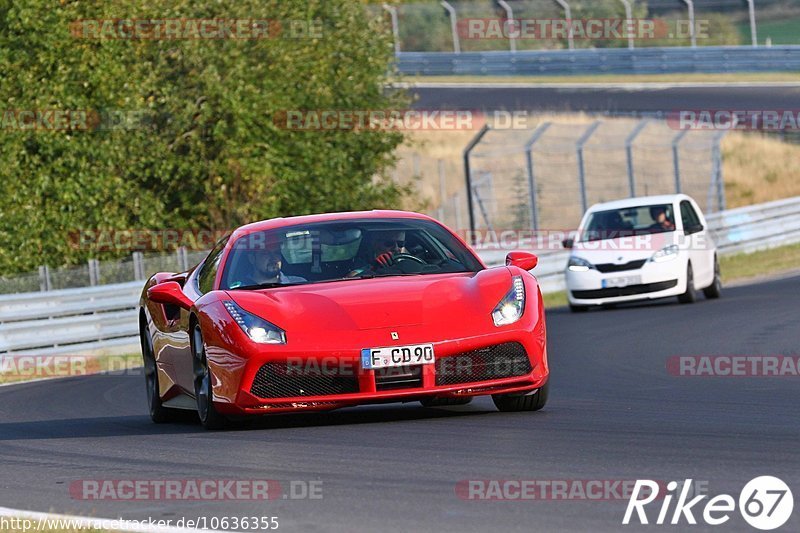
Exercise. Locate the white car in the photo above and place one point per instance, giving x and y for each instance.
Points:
(639, 249)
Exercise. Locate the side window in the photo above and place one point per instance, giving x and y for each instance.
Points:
(689, 216)
(205, 280)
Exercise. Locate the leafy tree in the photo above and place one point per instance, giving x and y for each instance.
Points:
(205, 147)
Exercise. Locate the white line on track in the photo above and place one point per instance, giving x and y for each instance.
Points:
(82, 522)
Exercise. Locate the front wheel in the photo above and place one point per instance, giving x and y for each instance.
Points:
(509, 403)
(690, 296)
(158, 413)
(203, 391)
(714, 290)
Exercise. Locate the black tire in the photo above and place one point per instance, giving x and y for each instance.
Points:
(690, 296)
(714, 291)
(158, 413)
(508, 403)
(203, 391)
(444, 402)
(578, 308)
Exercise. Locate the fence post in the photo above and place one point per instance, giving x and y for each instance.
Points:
(453, 25)
(395, 27)
(581, 169)
(92, 272)
(568, 14)
(692, 29)
(628, 21)
(44, 278)
(753, 25)
(719, 183)
(442, 191)
(468, 177)
(138, 265)
(183, 258)
(537, 134)
(629, 154)
(512, 38)
(676, 158)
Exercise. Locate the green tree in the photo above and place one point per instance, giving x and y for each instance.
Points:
(210, 153)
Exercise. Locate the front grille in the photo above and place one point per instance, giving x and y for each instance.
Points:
(610, 267)
(408, 377)
(630, 290)
(501, 361)
(282, 380)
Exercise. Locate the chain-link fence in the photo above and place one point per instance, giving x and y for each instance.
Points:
(568, 166)
(483, 25)
(137, 267)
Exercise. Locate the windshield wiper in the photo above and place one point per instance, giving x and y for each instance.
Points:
(271, 285)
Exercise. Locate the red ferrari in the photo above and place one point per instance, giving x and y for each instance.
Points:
(326, 311)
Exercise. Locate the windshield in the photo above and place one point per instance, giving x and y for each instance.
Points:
(629, 221)
(344, 250)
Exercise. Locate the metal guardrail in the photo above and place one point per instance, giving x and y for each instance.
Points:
(711, 59)
(104, 317)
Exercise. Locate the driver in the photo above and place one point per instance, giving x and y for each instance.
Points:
(659, 214)
(383, 247)
(265, 268)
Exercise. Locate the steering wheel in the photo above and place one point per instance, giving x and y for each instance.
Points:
(408, 257)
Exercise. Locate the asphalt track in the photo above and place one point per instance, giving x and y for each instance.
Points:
(614, 414)
(634, 99)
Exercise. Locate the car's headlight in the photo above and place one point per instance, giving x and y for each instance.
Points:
(665, 254)
(511, 307)
(258, 329)
(577, 264)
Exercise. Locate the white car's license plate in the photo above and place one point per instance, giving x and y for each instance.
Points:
(622, 282)
(394, 356)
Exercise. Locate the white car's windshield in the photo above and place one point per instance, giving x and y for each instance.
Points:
(629, 221)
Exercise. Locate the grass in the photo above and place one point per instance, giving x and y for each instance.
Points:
(759, 264)
(43, 367)
(694, 77)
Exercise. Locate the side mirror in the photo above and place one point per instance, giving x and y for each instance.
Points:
(523, 260)
(691, 230)
(568, 243)
(169, 293)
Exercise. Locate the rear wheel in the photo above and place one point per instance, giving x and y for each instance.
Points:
(444, 402)
(714, 290)
(510, 403)
(690, 296)
(203, 392)
(158, 413)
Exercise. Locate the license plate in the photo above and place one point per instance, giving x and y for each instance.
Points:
(394, 356)
(622, 282)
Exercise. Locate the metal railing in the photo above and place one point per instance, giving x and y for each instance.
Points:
(708, 59)
(104, 317)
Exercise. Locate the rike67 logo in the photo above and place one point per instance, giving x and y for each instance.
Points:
(766, 503)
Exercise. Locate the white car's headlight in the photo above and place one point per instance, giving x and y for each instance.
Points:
(511, 307)
(665, 254)
(258, 329)
(577, 264)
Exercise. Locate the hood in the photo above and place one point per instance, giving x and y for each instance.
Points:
(623, 250)
(379, 302)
